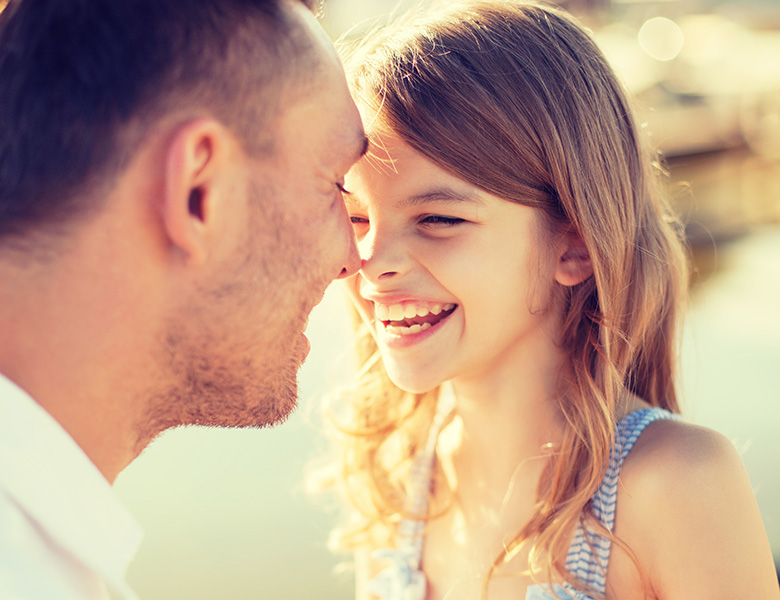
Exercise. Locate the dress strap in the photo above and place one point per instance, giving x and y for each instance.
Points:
(403, 578)
(589, 552)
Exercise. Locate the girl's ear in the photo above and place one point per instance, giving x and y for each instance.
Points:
(574, 265)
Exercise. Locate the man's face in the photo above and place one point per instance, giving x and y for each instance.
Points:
(238, 360)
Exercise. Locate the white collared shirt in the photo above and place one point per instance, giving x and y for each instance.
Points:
(64, 535)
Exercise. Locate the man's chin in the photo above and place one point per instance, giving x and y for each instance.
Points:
(282, 394)
(278, 402)
(227, 403)
(270, 408)
(275, 397)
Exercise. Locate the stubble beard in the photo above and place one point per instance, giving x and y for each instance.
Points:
(212, 384)
(246, 382)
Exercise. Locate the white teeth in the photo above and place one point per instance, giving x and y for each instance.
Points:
(396, 312)
(410, 310)
(402, 331)
(382, 312)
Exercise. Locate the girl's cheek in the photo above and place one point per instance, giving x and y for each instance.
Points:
(351, 286)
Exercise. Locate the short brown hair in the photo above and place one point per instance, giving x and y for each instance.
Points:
(81, 81)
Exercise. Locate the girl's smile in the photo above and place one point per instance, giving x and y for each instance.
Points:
(411, 322)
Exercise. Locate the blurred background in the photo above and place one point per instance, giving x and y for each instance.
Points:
(225, 511)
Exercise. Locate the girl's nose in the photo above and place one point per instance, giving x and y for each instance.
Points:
(383, 256)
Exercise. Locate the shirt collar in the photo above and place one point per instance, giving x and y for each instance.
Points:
(56, 483)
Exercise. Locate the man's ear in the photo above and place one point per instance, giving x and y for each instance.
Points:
(574, 265)
(195, 158)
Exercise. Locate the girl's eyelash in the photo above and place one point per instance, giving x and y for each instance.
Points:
(342, 189)
(429, 220)
(441, 220)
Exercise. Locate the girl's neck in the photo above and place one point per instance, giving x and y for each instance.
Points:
(506, 420)
(516, 396)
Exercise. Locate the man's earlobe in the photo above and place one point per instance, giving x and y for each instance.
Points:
(191, 171)
(574, 265)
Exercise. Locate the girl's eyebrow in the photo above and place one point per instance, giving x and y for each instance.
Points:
(443, 194)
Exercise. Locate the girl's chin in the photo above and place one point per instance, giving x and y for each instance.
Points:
(412, 385)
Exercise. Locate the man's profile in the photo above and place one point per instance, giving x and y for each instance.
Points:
(170, 212)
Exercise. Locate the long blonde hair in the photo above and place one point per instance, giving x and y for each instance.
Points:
(516, 99)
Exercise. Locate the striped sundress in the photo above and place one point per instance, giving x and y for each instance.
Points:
(588, 554)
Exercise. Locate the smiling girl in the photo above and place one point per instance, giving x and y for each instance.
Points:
(513, 432)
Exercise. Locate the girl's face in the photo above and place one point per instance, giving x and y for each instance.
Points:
(450, 276)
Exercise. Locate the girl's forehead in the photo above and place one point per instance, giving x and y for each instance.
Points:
(390, 163)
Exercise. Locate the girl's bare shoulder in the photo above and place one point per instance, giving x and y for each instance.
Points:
(687, 509)
(680, 475)
(675, 455)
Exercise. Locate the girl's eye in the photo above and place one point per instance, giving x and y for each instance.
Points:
(342, 189)
(359, 225)
(440, 221)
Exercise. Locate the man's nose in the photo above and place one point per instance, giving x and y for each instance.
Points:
(352, 262)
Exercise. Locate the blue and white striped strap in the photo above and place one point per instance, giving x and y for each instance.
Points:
(589, 552)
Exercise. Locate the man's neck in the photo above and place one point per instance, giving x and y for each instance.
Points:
(71, 342)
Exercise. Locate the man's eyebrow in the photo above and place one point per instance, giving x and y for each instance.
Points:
(362, 145)
(353, 143)
(445, 195)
